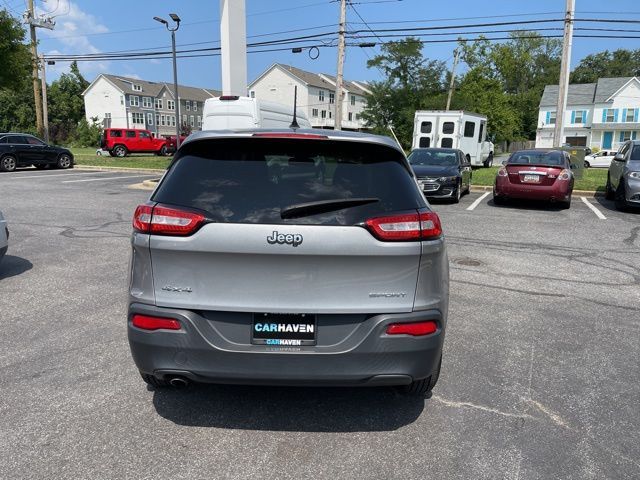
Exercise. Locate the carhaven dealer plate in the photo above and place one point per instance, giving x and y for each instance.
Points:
(283, 329)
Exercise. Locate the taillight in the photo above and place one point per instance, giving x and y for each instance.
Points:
(416, 329)
(409, 227)
(302, 136)
(502, 172)
(160, 220)
(229, 97)
(147, 322)
(564, 175)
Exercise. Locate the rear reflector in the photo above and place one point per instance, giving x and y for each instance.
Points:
(146, 322)
(302, 136)
(229, 97)
(410, 227)
(160, 220)
(416, 329)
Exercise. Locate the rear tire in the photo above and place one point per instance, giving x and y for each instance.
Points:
(489, 161)
(565, 205)
(120, 151)
(422, 388)
(154, 381)
(64, 161)
(8, 163)
(163, 151)
(619, 198)
(609, 194)
(586, 164)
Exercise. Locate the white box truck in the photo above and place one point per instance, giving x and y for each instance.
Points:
(464, 131)
(241, 113)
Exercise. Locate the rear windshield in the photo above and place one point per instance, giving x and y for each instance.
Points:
(537, 158)
(252, 180)
(635, 153)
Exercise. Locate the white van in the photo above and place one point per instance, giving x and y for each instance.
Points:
(465, 131)
(240, 113)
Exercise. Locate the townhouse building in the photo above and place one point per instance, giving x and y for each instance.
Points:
(316, 94)
(600, 115)
(121, 102)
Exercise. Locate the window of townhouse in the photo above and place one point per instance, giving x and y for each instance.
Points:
(138, 118)
(192, 121)
(579, 117)
(625, 136)
(323, 114)
(195, 106)
(552, 118)
(314, 112)
(611, 115)
(353, 100)
(134, 101)
(631, 115)
(321, 95)
(332, 97)
(149, 118)
(171, 104)
(159, 103)
(350, 115)
(187, 104)
(146, 102)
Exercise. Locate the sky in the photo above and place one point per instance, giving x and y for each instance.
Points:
(92, 26)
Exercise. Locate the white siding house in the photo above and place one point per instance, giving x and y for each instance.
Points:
(121, 102)
(599, 115)
(316, 94)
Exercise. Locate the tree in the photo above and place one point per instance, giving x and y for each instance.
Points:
(16, 59)
(412, 83)
(620, 63)
(66, 104)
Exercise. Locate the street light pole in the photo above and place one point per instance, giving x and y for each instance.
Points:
(173, 30)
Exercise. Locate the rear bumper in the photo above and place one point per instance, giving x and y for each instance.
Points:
(367, 357)
(632, 191)
(556, 192)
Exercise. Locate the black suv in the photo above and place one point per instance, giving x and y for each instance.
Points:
(22, 150)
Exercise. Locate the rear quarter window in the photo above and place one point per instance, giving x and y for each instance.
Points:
(115, 133)
(251, 180)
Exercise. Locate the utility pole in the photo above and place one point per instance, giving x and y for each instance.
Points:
(456, 57)
(563, 87)
(48, 23)
(34, 60)
(339, 75)
(45, 111)
(233, 47)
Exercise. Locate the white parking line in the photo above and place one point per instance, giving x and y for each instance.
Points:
(105, 179)
(47, 175)
(477, 202)
(593, 209)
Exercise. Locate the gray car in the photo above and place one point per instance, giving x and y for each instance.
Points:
(304, 257)
(4, 237)
(623, 178)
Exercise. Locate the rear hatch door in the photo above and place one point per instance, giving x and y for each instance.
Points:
(249, 258)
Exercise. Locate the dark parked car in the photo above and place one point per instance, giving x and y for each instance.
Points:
(250, 266)
(23, 150)
(623, 178)
(441, 172)
(535, 175)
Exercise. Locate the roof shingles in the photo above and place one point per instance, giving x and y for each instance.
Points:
(584, 93)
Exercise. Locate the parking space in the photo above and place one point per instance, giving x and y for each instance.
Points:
(540, 378)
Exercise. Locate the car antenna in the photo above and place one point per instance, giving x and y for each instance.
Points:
(294, 123)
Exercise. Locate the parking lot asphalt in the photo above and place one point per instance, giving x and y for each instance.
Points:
(540, 377)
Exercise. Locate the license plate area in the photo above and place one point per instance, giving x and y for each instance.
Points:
(531, 179)
(283, 329)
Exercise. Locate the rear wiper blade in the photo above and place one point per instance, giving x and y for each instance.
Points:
(323, 206)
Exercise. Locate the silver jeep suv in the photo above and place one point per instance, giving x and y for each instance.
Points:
(305, 257)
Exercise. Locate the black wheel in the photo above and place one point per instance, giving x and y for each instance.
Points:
(565, 205)
(154, 381)
(64, 161)
(8, 163)
(489, 161)
(111, 154)
(609, 194)
(457, 193)
(619, 197)
(163, 151)
(423, 387)
(586, 164)
(120, 151)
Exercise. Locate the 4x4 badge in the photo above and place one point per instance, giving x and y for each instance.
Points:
(293, 239)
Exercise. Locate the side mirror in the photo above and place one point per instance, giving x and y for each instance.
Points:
(619, 157)
(504, 162)
(573, 166)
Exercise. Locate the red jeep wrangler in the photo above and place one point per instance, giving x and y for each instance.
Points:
(119, 142)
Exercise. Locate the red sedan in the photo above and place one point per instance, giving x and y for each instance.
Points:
(535, 175)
